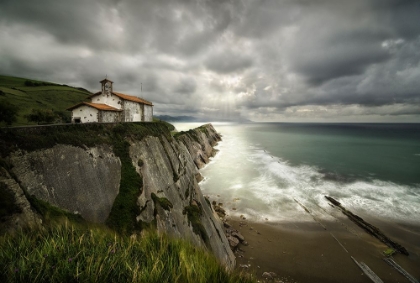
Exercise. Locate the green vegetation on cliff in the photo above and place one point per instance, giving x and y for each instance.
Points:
(194, 213)
(163, 202)
(67, 253)
(28, 95)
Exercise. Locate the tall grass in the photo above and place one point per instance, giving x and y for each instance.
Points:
(67, 253)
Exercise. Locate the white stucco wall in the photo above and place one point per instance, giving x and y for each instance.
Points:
(85, 113)
(111, 100)
(110, 116)
(148, 113)
(132, 111)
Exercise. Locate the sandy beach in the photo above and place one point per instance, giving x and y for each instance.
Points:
(320, 252)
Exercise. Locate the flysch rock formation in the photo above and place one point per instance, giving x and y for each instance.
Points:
(82, 181)
(169, 171)
(86, 181)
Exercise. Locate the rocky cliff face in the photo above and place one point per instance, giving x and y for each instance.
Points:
(86, 180)
(171, 195)
(82, 181)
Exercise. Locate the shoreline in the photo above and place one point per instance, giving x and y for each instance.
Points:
(310, 245)
(306, 252)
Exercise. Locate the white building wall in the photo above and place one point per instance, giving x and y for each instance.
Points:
(85, 113)
(132, 111)
(110, 116)
(148, 113)
(110, 99)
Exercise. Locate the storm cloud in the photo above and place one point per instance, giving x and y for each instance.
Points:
(272, 60)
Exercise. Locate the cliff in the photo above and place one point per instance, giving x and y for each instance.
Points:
(129, 176)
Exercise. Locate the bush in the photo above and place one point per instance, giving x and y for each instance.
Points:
(8, 112)
(41, 116)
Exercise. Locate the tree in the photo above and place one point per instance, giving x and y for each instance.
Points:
(8, 112)
(62, 116)
(41, 116)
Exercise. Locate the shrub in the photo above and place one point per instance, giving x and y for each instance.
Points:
(8, 112)
(163, 202)
(41, 116)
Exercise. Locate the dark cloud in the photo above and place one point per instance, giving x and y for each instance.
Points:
(340, 57)
(228, 61)
(71, 22)
(186, 87)
(272, 59)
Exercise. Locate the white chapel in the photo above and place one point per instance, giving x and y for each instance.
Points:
(108, 106)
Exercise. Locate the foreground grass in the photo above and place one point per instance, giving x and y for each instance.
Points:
(67, 253)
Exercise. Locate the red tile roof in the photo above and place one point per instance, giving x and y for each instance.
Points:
(126, 97)
(98, 106)
(132, 98)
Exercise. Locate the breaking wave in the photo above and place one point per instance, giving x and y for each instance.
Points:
(252, 182)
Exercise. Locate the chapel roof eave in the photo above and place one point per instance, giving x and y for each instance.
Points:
(99, 106)
(125, 97)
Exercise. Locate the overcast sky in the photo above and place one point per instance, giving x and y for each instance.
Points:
(278, 60)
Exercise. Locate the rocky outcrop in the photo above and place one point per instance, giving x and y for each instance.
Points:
(200, 142)
(168, 169)
(86, 179)
(82, 181)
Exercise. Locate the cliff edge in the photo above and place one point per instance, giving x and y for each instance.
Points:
(129, 176)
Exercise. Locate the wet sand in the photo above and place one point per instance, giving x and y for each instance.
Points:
(306, 252)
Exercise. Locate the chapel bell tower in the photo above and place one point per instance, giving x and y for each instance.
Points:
(106, 86)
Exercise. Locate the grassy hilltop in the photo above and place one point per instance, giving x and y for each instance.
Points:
(27, 94)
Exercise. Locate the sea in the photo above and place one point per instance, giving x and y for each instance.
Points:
(274, 171)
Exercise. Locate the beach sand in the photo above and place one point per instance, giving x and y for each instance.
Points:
(319, 252)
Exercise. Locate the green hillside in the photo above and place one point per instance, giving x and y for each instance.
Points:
(29, 94)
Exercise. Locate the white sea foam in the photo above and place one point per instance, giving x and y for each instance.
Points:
(270, 188)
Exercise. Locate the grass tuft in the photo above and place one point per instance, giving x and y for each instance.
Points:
(163, 202)
(68, 253)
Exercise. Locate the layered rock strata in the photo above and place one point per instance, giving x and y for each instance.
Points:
(86, 180)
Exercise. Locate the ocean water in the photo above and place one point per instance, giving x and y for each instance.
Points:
(267, 171)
